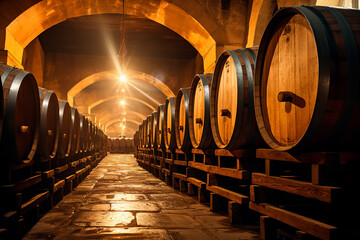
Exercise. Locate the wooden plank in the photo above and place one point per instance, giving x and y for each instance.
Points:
(48, 174)
(36, 200)
(166, 171)
(237, 197)
(239, 153)
(311, 226)
(311, 158)
(233, 173)
(167, 160)
(179, 176)
(59, 185)
(74, 164)
(61, 169)
(71, 177)
(196, 182)
(180, 162)
(322, 193)
(21, 185)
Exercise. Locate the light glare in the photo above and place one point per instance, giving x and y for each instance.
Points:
(123, 78)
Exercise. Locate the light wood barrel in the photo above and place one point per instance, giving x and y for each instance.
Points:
(169, 123)
(75, 133)
(20, 130)
(84, 133)
(49, 124)
(160, 127)
(307, 80)
(233, 121)
(153, 129)
(199, 112)
(182, 120)
(64, 145)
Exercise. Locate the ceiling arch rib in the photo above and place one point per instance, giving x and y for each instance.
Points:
(129, 115)
(47, 13)
(113, 74)
(97, 103)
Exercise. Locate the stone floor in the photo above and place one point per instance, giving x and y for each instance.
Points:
(120, 200)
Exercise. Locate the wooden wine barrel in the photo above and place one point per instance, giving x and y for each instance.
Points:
(136, 139)
(20, 130)
(108, 144)
(84, 133)
(169, 123)
(307, 80)
(182, 136)
(141, 135)
(75, 133)
(122, 144)
(97, 142)
(153, 125)
(64, 129)
(148, 130)
(144, 131)
(160, 127)
(199, 112)
(233, 122)
(91, 136)
(49, 124)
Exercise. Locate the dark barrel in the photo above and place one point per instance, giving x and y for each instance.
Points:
(64, 129)
(153, 125)
(148, 130)
(20, 130)
(144, 131)
(160, 127)
(169, 123)
(75, 134)
(233, 122)
(84, 133)
(307, 80)
(199, 112)
(49, 124)
(182, 136)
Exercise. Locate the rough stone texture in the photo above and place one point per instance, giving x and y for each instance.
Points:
(120, 200)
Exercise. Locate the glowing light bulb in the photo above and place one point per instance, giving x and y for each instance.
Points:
(123, 90)
(123, 78)
(122, 102)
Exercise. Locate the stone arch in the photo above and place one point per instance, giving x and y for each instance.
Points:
(116, 97)
(109, 123)
(113, 74)
(47, 13)
(131, 115)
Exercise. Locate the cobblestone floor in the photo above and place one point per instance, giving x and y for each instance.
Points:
(120, 200)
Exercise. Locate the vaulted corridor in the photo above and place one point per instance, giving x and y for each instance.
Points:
(120, 200)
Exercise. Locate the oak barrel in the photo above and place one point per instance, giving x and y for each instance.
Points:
(84, 133)
(148, 130)
(144, 131)
(49, 124)
(64, 144)
(307, 80)
(169, 123)
(75, 133)
(233, 122)
(160, 127)
(153, 129)
(20, 130)
(182, 136)
(140, 135)
(199, 112)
